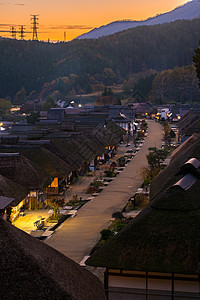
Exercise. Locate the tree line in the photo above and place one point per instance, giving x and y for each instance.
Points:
(81, 66)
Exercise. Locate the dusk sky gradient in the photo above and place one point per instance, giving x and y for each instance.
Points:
(75, 17)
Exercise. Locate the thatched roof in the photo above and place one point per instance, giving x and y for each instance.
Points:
(164, 237)
(65, 151)
(24, 172)
(30, 269)
(44, 159)
(97, 139)
(190, 148)
(77, 149)
(186, 121)
(11, 189)
(47, 161)
(194, 127)
(116, 132)
(87, 148)
(5, 202)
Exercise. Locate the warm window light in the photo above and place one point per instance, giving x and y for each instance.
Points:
(15, 109)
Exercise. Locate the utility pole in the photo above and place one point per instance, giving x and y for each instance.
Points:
(35, 27)
(13, 32)
(21, 31)
(64, 36)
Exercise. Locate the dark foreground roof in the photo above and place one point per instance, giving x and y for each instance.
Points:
(164, 237)
(31, 269)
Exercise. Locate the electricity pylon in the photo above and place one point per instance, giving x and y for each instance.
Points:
(21, 31)
(13, 32)
(35, 26)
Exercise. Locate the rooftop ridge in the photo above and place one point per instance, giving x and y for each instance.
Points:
(186, 182)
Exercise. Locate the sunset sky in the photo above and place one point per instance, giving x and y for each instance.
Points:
(75, 17)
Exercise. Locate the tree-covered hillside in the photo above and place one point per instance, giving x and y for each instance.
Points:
(175, 85)
(83, 63)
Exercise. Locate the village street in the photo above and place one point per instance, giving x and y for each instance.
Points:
(77, 236)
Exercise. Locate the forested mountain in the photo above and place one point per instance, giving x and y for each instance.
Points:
(77, 66)
(175, 85)
(188, 11)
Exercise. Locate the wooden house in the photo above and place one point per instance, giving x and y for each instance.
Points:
(5, 203)
(25, 173)
(11, 190)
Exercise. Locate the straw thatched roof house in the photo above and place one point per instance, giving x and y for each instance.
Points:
(190, 148)
(59, 147)
(52, 173)
(116, 132)
(47, 161)
(14, 191)
(187, 122)
(31, 269)
(157, 256)
(11, 189)
(5, 203)
(194, 127)
(22, 171)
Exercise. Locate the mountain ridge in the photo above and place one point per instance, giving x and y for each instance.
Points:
(187, 11)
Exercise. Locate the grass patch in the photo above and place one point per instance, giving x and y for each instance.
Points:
(53, 219)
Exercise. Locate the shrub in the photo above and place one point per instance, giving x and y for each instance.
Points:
(109, 173)
(113, 165)
(96, 183)
(118, 215)
(141, 200)
(121, 161)
(119, 225)
(91, 190)
(106, 234)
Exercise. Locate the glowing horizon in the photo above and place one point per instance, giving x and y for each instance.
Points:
(71, 19)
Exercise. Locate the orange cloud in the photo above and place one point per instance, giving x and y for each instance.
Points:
(7, 3)
(84, 27)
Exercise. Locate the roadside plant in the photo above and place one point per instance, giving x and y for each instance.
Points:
(155, 160)
(106, 234)
(121, 161)
(55, 204)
